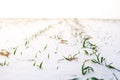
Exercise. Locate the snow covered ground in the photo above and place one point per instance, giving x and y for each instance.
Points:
(60, 49)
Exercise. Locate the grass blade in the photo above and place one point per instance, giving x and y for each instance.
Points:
(45, 47)
(41, 64)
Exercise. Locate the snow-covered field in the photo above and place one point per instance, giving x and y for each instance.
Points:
(60, 49)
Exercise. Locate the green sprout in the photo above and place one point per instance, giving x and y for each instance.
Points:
(5, 63)
(88, 44)
(48, 56)
(26, 43)
(86, 52)
(115, 76)
(111, 67)
(98, 59)
(41, 65)
(86, 69)
(93, 78)
(34, 63)
(84, 42)
(70, 58)
(45, 47)
(74, 79)
(15, 49)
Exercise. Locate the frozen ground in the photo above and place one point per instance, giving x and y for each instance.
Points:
(52, 49)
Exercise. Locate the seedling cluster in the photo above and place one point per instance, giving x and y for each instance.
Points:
(87, 48)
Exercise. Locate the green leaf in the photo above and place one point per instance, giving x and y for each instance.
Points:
(45, 47)
(84, 43)
(66, 58)
(94, 78)
(74, 55)
(74, 79)
(15, 49)
(94, 61)
(102, 59)
(91, 69)
(48, 56)
(115, 76)
(41, 64)
(87, 69)
(84, 72)
(4, 62)
(110, 66)
(86, 52)
(98, 59)
(26, 43)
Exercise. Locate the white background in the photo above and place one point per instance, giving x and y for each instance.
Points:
(60, 9)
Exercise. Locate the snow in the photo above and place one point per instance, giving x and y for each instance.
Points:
(46, 47)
